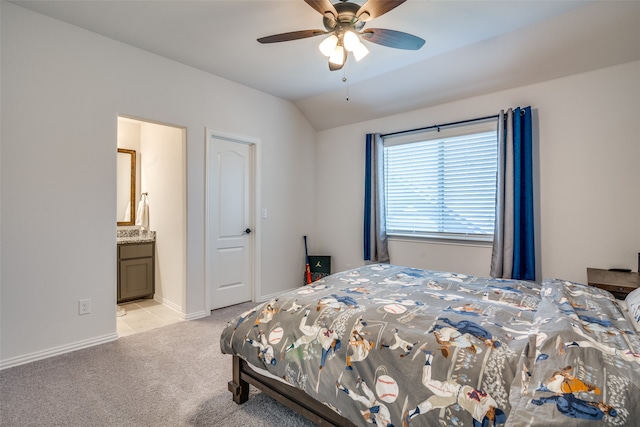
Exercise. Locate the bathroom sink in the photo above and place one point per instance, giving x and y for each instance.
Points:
(124, 237)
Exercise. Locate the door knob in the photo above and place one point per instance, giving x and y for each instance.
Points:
(247, 231)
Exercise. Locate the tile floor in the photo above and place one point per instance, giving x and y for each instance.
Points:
(143, 315)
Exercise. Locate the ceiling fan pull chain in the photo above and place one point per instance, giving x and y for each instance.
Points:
(344, 80)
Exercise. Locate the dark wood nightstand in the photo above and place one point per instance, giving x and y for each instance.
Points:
(619, 283)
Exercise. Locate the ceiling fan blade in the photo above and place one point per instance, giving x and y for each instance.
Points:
(323, 6)
(392, 38)
(374, 8)
(293, 35)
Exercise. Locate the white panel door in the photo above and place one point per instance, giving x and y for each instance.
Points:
(229, 172)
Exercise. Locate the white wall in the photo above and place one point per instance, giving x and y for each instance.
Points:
(589, 156)
(163, 179)
(62, 91)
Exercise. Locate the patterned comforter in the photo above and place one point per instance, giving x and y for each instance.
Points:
(391, 345)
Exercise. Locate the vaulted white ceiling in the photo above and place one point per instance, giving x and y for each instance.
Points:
(472, 47)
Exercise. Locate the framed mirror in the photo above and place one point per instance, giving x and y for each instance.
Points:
(126, 190)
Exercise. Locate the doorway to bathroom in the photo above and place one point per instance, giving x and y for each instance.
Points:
(160, 178)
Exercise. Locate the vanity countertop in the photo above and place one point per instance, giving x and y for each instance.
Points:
(125, 237)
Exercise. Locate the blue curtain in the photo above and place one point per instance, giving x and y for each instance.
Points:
(513, 254)
(524, 262)
(375, 230)
(368, 153)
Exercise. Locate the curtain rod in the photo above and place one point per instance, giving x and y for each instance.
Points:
(440, 126)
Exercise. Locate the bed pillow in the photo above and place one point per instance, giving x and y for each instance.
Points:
(633, 306)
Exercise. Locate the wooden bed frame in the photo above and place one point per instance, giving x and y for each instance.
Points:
(289, 396)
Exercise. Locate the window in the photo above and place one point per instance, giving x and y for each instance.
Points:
(442, 184)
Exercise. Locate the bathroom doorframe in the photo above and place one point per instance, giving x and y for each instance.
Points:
(181, 305)
(255, 196)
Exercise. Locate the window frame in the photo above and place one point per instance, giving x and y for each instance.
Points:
(442, 132)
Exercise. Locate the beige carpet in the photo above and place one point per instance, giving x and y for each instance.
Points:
(171, 376)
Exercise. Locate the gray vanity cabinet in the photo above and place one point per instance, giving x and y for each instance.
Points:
(136, 271)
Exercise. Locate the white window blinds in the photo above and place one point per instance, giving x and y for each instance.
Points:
(442, 184)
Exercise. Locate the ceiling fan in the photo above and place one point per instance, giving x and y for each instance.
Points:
(344, 22)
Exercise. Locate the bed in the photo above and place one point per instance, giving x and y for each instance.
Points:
(391, 345)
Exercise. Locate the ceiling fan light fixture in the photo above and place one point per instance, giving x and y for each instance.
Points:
(351, 41)
(328, 45)
(360, 52)
(343, 23)
(337, 57)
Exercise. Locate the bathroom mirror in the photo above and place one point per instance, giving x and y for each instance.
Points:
(126, 193)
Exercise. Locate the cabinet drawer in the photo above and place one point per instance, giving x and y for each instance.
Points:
(619, 283)
(135, 251)
(614, 288)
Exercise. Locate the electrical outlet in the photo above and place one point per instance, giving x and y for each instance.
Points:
(84, 306)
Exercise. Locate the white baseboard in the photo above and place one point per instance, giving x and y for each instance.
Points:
(55, 351)
(194, 316)
(167, 303)
(178, 309)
